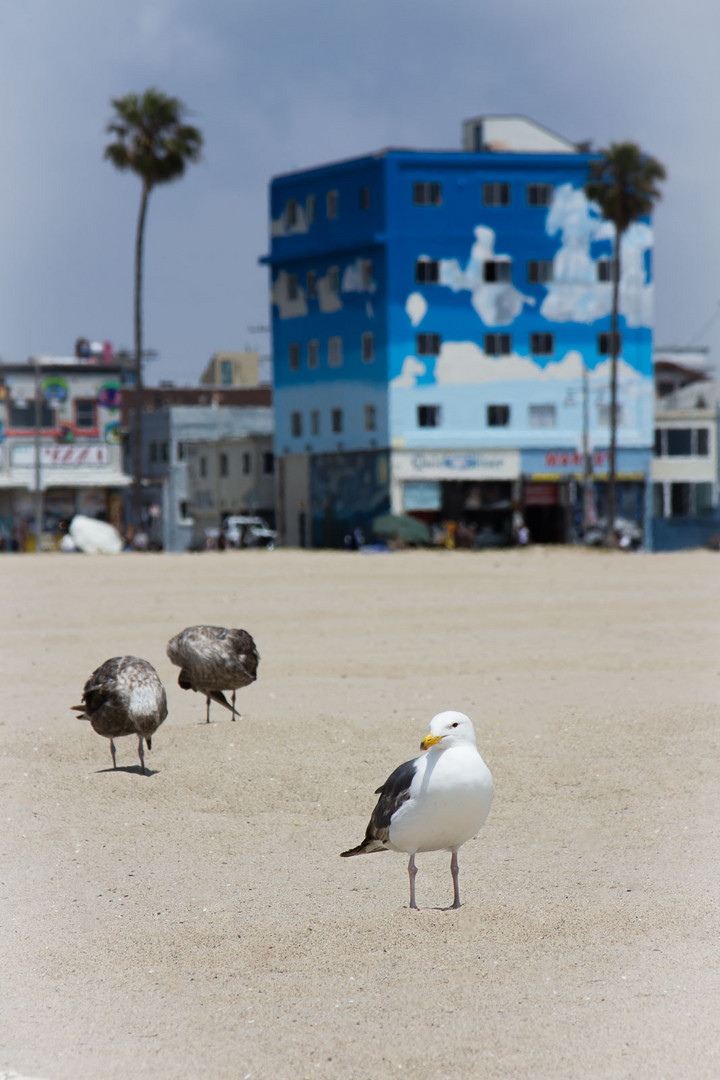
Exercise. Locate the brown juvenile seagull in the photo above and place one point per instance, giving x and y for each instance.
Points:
(212, 659)
(436, 802)
(124, 696)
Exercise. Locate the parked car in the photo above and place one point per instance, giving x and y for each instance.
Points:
(629, 534)
(243, 532)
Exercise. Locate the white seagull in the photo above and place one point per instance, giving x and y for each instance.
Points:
(212, 659)
(124, 696)
(436, 802)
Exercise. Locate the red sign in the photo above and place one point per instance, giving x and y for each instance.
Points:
(573, 459)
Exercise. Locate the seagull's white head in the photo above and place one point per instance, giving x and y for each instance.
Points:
(449, 729)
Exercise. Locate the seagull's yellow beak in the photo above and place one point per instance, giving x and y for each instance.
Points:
(430, 740)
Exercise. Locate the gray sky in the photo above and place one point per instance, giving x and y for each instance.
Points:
(281, 84)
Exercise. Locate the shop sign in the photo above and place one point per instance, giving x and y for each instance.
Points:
(573, 459)
(456, 464)
(73, 456)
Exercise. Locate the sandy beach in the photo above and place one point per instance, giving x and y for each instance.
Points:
(199, 922)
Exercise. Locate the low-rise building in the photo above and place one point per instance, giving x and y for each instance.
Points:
(230, 476)
(685, 467)
(168, 436)
(59, 432)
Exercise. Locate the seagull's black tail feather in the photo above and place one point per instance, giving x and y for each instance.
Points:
(366, 848)
(217, 695)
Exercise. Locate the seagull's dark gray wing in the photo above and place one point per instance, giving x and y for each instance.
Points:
(393, 793)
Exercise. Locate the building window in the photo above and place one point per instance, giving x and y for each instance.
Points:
(335, 356)
(291, 214)
(22, 415)
(203, 466)
(164, 451)
(496, 194)
(497, 270)
(498, 415)
(336, 421)
(427, 271)
(542, 344)
(84, 413)
(315, 422)
(180, 451)
(370, 417)
(311, 284)
(293, 290)
(680, 500)
(333, 279)
(268, 463)
(498, 344)
(539, 194)
(246, 463)
(428, 415)
(224, 465)
(368, 347)
(682, 442)
(182, 509)
(604, 344)
(366, 273)
(310, 209)
(331, 205)
(427, 344)
(296, 424)
(542, 416)
(539, 271)
(312, 353)
(604, 414)
(294, 356)
(365, 197)
(226, 373)
(605, 270)
(427, 194)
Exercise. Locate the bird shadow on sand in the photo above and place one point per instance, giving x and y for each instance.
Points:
(130, 769)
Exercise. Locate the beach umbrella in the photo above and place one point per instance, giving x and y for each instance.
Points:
(401, 527)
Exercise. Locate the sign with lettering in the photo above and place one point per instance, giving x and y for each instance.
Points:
(71, 456)
(456, 464)
(573, 459)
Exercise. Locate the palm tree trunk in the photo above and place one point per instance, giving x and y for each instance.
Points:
(137, 426)
(614, 349)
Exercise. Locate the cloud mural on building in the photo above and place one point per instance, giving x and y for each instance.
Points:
(465, 362)
(357, 277)
(416, 308)
(497, 303)
(575, 294)
(412, 369)
(289, 306)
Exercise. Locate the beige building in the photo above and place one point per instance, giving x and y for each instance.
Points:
(230, 476)
(232, 369)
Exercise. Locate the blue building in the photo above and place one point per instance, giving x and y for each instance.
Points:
(441, 338)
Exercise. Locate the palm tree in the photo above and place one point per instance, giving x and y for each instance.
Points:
(152, 140)
(623, 182)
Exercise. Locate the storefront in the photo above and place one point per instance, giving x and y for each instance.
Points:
(557, 502)
(474, 489)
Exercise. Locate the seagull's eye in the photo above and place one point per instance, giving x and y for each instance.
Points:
(456, 724)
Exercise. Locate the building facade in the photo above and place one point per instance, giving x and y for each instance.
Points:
(169, 434)
(59, 431)
(441, 339)
(685, 468)
(230, 476)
